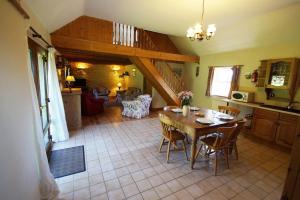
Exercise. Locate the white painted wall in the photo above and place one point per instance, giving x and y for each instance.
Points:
(18, 169)
(157, 100)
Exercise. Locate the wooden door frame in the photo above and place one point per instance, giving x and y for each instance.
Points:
(36, 48)
(292, 183)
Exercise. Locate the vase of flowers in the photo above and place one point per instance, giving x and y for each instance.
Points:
(185, 99)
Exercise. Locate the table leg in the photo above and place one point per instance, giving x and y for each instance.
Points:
(193, 151)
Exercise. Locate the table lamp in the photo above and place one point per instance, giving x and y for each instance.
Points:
(70, 79)
(119, 85)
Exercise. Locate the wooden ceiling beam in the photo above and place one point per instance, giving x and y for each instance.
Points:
(82, 56)
(110, 49)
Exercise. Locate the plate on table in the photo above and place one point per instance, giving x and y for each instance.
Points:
(225, 117)
(204, 121)
(177, 110)
(194, 108)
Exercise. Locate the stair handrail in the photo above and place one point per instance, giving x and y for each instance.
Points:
(174, 81)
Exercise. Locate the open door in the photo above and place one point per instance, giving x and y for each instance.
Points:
(38, 59)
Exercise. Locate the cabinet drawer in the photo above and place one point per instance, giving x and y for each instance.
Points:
(272, 115)
(288, 117)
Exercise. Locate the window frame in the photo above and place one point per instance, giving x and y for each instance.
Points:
(221, 96)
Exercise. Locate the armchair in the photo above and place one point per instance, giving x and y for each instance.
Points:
(101, 93)
(90, 105)
(130, 94)
(137, 108)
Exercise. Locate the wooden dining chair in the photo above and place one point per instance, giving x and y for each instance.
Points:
(219, 143)
(168, 108)
(234, 137)
(229, 110)
(171, 135)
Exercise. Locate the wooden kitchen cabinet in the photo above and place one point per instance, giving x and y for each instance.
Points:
(281, 73)
(264, 124)
(276, 127)
(287, 127)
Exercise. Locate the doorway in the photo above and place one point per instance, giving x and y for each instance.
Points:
(38, 59)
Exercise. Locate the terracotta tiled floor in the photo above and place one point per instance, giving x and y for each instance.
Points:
(123, 163)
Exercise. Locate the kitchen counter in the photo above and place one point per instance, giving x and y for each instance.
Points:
(259, 105)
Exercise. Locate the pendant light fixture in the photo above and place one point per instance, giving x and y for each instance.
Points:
(198, 32)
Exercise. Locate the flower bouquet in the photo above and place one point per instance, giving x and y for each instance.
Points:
(185, 98)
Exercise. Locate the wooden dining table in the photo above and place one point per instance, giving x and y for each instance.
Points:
(194, 129)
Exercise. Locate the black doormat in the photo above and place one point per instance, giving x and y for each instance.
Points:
(68, 161)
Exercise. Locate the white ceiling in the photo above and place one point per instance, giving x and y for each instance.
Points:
(233, 18)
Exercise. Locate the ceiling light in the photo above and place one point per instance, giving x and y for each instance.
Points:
(198, 31)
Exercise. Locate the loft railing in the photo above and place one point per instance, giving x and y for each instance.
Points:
(124, 35)
(131, 36)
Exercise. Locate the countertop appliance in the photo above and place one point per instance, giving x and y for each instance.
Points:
(242, 96)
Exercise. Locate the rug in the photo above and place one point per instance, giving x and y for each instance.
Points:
(68, 161)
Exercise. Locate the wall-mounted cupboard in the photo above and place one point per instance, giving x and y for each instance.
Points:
(279, 74)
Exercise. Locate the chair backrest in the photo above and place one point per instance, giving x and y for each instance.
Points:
(229, 110)
(240, 125)
(224, 138)
(166, 124)
(133, 92)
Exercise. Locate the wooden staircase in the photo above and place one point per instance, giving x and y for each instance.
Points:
(161, 76)
(159, 73)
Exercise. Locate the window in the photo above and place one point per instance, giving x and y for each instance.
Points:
(221, 82)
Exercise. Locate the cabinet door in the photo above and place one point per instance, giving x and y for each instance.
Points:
(264, 128)
(285, 133)
(279, 73)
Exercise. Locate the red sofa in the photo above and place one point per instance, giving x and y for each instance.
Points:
(90, 105)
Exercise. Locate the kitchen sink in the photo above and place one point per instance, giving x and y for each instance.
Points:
(280, 108)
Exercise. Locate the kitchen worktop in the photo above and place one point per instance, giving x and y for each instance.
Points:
(259, 105)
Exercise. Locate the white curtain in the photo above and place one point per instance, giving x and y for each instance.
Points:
(48, 186)
(58, 127)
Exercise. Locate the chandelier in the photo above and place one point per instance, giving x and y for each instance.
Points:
(198, 31)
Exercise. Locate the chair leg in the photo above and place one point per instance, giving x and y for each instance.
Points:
(216, 163)
(226, 151)
(230, 148)
(175, 146)
(236, 151)
(198, 151)
(184, 147)
(187, 139)
(161, 143)
(168, 151)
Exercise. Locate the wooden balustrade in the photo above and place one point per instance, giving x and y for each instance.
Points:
(131, 36)
(174, 81)
(124, 35)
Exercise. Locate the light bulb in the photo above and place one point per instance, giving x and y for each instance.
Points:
(198, 28)
(190, 33)
(211, 29)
